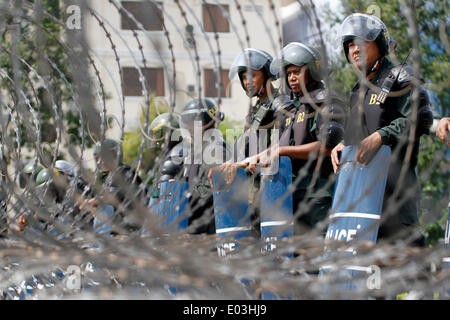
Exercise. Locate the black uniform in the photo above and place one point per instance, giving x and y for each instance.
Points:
(304, 124)
(264, 115)
(201, 203)
(171, 168)
(128, 193)
(392, 120)
(173, 164)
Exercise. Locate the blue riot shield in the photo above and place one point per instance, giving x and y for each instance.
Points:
(231, 209)
(103, 219)
(155, 205)
(153, 202)
(276, 211)
(171, 205)
(357, 205)
(276, 204)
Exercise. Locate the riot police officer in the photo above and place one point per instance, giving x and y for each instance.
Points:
(73, 186)
(253, 68)
(161, 129)
(121, 194)
(382, 106)
(311, 126)
(47, 197)
(29, 173)
(199, 119)
(27, 178)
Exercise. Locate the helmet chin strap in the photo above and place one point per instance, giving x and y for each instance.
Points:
(376, 65)
(260, 92)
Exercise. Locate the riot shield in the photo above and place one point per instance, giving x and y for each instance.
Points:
(276, 210)
(276, 204)
(356, 213)
(231, 209)
(171, 205)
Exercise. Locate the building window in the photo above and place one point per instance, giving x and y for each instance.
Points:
(212, 84)
(133, 87)
(214, 19)
(146, 12)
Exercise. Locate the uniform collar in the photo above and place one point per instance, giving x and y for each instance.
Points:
(299, 99)
(266, 100)
(386, 64)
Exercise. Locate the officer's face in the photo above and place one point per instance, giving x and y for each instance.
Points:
(106, 164)
(297, 77)
(359, 50)
(255, 82)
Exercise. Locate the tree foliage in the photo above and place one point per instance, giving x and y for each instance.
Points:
(134, 138)
(35, 46)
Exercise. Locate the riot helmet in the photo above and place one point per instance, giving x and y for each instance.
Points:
(46, 186)
(110, 152)
(365, 27)
(298, 54)
(203, 110)
(44, 176)
(65, 167)
(30, 171)
(253, 59)
(162, 124)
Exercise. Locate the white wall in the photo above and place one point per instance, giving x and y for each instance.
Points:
(230, 44)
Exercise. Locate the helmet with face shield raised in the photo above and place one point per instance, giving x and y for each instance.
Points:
(202, 111)
(252, 59)
(163, 125)
(298, 54)
(364, 27)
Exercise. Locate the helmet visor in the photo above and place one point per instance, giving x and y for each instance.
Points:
(248, 59)
(187, 119)
(366, 27)
(64, 167)
(163, 123)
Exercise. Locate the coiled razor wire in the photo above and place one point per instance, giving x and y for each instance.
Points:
(58, 254)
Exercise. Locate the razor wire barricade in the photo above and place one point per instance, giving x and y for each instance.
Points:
(50, 248)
